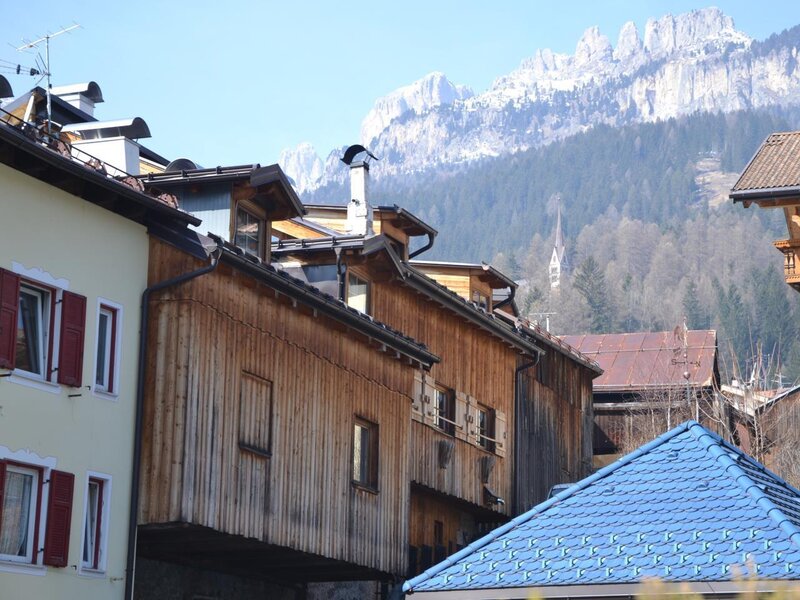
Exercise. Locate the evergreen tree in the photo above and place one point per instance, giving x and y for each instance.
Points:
(696, 315)
(590, 282)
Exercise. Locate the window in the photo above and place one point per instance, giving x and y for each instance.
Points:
(444, 409)
(33, 330)
(93, 523)
(484, 428)
(358, 293)
(28, 328)
(105, 360)
(365, 453)
(20, 492)
(255, 415)
(20, 514)
(249, 233)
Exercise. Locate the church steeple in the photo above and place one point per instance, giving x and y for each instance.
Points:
(557, 263)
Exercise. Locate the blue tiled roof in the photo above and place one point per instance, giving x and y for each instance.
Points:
(687, 507)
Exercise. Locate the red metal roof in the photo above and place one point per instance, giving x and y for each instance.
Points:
(633, 361)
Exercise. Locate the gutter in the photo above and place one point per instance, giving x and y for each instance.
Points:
(764, 194)
(426, 247)
(130, 562)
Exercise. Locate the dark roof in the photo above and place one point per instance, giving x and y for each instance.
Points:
(410, 276)
(254, 174)
(774, 170)
(32, 157)
(201, 246)
(639, 361)
(687, 507)
(405, 220)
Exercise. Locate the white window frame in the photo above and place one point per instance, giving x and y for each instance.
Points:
(108, 307)
(105, 513)
(33, 514)
(46, 327)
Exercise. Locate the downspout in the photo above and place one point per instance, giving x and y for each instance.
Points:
(428, 246)
(340, 271)
(518, 426)
(508, 300)
(137, 435)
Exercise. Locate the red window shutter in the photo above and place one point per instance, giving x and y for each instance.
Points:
(70, 348)
(59, 515)
(9, 304)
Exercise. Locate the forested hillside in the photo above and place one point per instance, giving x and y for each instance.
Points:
(644, 245)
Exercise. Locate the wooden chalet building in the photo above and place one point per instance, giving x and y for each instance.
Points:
(276, 418)
(506, 412)
(643, 374)
(772, 180)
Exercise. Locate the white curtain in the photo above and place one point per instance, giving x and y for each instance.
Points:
(16, 514)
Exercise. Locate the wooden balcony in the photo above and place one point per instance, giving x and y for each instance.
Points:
(791, 265)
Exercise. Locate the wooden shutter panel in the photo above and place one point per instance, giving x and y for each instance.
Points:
(70, 347)
(500, 435)
(59, 515)
(429, 397)
(462, 416)
(472, 420)
(9, 305)
(416, 404)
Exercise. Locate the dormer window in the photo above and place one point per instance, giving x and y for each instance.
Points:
(358, 293)
(249, 232)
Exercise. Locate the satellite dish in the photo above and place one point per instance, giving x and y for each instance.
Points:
(354, 151)
(182, 164)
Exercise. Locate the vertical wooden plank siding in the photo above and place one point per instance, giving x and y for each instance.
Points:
(220, 336)
(472, 362)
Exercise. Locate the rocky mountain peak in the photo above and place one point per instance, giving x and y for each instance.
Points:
(593, 47)
(424, 94)
(628, 44)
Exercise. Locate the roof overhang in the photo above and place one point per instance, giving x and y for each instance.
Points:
(270, 183)
(29, 157)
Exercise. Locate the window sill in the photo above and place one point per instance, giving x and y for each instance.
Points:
(92, 573)
(365, 488)
(33, 381)
(111, 396)
(9, 566)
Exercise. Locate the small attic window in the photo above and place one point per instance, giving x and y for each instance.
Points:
(249, 232)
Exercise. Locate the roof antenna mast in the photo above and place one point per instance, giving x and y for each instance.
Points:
(46, 40)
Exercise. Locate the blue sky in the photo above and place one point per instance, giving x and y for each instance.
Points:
(234, 82)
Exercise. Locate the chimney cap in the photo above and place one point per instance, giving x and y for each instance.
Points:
(135, 128)
(89, 89)
(354, 151)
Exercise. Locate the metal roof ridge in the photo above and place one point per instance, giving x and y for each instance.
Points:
(749, 486)
(541, 507)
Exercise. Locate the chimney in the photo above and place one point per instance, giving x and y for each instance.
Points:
(359, 212)
(82, 96)
(112, 142)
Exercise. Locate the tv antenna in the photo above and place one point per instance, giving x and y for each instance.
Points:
(35, 44)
